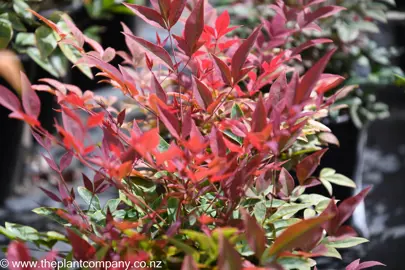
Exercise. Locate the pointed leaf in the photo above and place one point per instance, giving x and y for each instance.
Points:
(347, 207)
(241, 54)
(311, 77)
(194, 26)
(296, 235)
(149, 15)
(156, 50)
(255, 235)
(259, 117)
(9, 100)
(203, 94)
(31, 102)
(225, 71)
(82, 250)
(65, 160)
(176, 9)
(158, 89)
(308, 165)
(169, 120)
(229, 258)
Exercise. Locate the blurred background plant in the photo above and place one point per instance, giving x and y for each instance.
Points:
(360, 58)
(22, 33)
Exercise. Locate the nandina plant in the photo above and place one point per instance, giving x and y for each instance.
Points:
(214, 175)
(359, 58)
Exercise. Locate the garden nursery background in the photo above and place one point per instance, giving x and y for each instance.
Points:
(69, 42)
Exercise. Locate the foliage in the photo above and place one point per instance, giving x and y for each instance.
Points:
(214, 175)
(359, 58)
(21, 31)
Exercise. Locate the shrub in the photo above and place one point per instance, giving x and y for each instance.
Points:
(359, 58)
(215, 173)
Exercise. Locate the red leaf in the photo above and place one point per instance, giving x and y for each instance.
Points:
(74, 30)
(51, 195)
(158, 51)
(222, 23)
(296, 235)
(49, 23)
(319, 14)
(9, 100)
(286, 181)
(82, 250)
(347, 207)
(225, 71)
(194, 26)
(308, 165)
(356, 265)
(65, 160)
(309, 44)
(18, 252)
(169, 120)
(176, 9)
(149, 15)
(51, 163)
(241, 54)
(217, 143)
(189, 263)
(229, 258)
(121, 117)
(87, 183)
(328, 82)
(259, 117)
(31, 102)
(202, 94)
(369, 264)
(276, 91)
(311, 77)
(157, 88)
(95, 120)
(255, 234)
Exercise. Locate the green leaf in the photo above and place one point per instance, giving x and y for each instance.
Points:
(336, 178)
(294, 263)
(367, 26)
(21, 232)
(73, 55)
(35, 55)
(233, 137)
(287, 211)
(172, 206)
(376, 14)
(185, 248)
(163, 145)
(50, 213)
(327, 185)
(20, 7)
(347, 242)
(236, 112)
(25, 39)
(259, 211)
(14, 20)
(89, 198)
(46, 40)
(332, 252)
(6, 33)
(112, 204)
(205, 242)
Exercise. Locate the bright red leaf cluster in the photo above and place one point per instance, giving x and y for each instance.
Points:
(224, 118)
